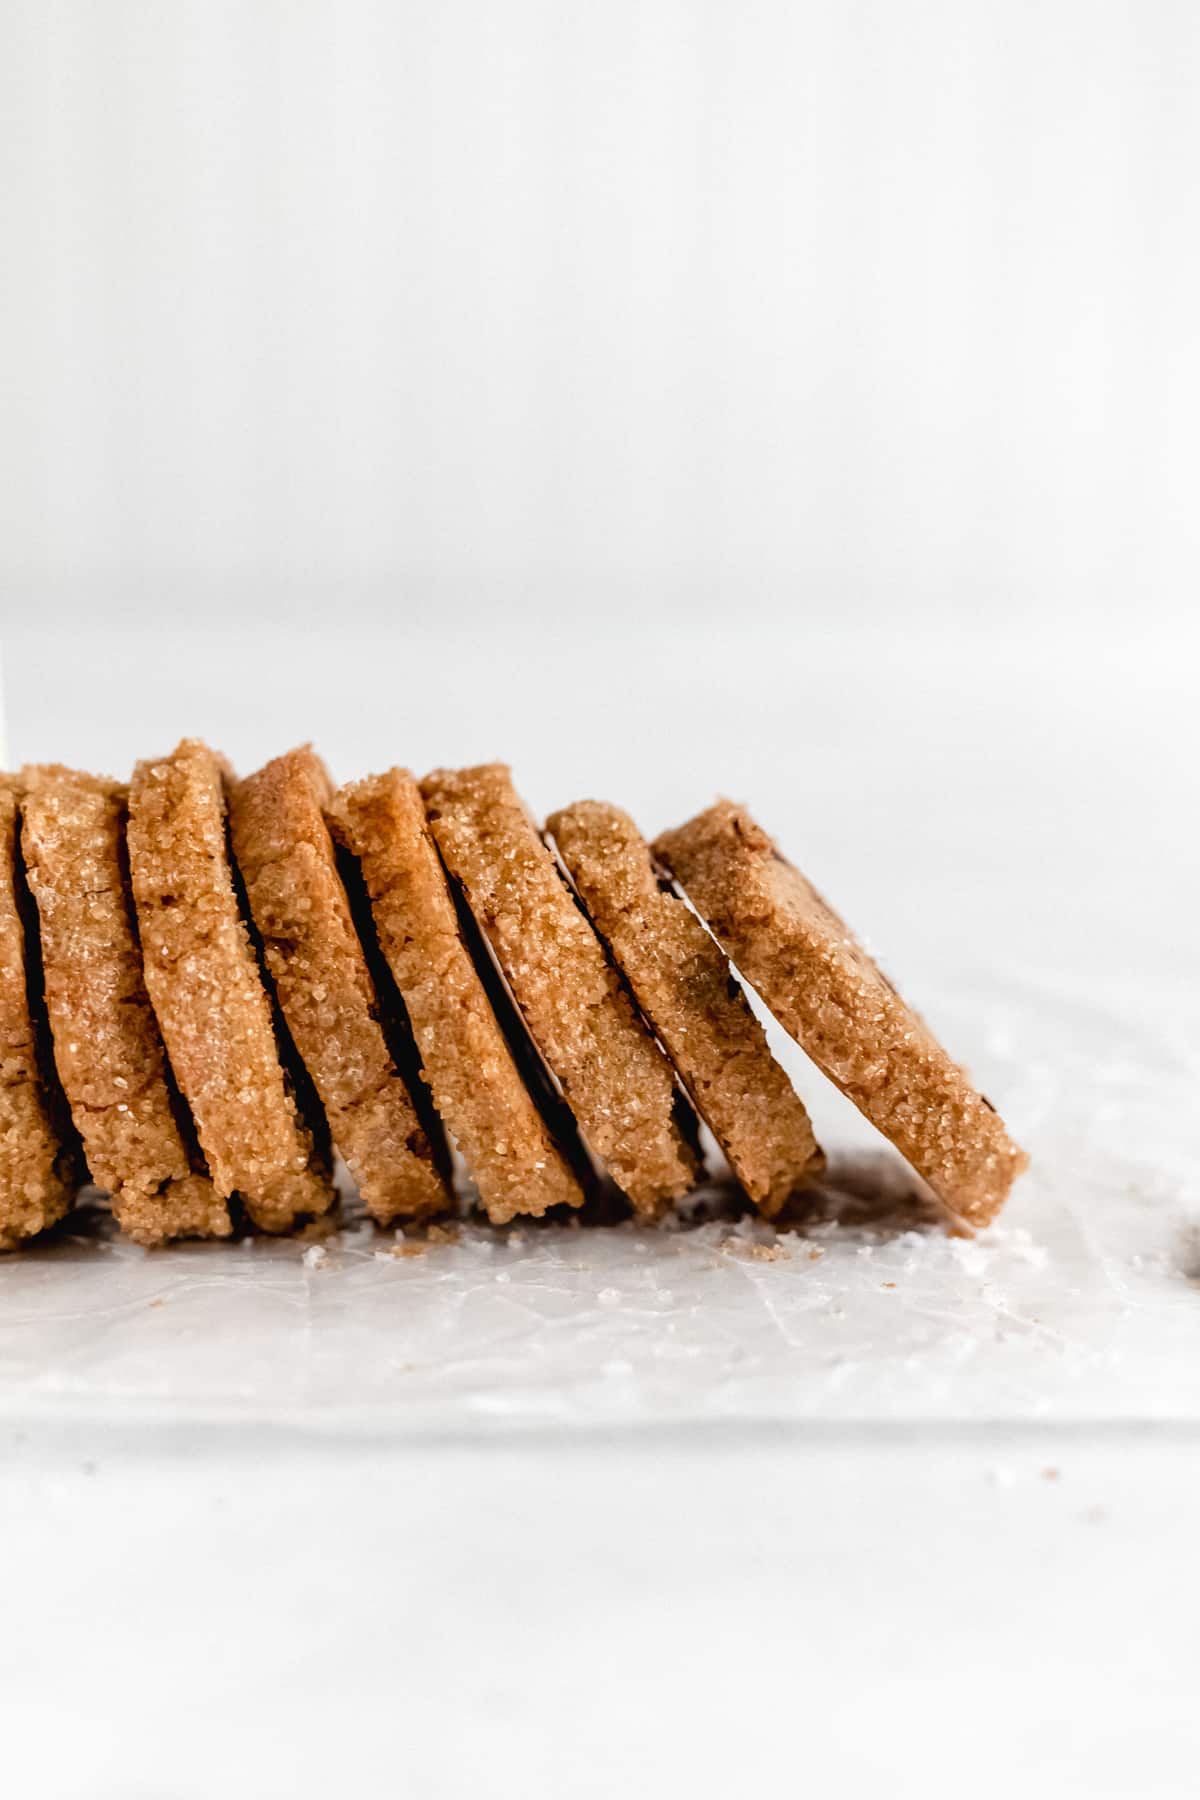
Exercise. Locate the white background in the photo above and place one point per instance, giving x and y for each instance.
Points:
(801, 401)
(883, 310)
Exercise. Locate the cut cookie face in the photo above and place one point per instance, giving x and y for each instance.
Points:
(207, 989)
(613, 1075)
(40, 1166)
(314, 956)
(107, 1046)
(506, 1143)
(684, 986)
(825, 990)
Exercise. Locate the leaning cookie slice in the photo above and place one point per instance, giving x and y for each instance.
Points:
(825, 990)
(40, 1167)
(107, 1046)
(613, 1075)
(207, 990)
(475, 1083)
(300, 908)
(683, 984)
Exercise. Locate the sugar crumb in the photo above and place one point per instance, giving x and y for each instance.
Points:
(755, 1251)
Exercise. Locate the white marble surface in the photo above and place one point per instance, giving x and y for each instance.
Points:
(570, 1513)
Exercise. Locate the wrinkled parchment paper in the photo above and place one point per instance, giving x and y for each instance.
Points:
(1083, 1302)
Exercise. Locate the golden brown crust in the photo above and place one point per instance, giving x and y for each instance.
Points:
(825, 990)
(313, 954)
(207, 989)
(107, 1046)
(684, 986)
(476, 1086)
(613, 1075)
(39, 1169)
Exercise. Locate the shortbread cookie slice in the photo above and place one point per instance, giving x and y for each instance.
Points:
(208, 992)
(40, 1167)
(825, 990)
(613, 1075)
(503, 1138)
(107, 1045)
(300, 907)
(688, 994)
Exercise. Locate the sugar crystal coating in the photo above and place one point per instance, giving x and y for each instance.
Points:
(39, 1166)
(684, 986)
(207, 990)
(475, 1082)
(612, 1073)
(317, 963)
(107, 1045)
(826, 991)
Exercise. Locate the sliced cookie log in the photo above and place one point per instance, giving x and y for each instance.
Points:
(825, 990)
(208, 992)
(613, 1075)
(40, 1168)
(686, 990)
(466, 1060)
(107, 1046)
(302, 913)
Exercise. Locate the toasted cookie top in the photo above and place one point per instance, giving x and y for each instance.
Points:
(515, 1160)
(40, 1167)
(683, 983)
(207, 988)
(317, 962)
(107, 1045)
(827, 992)
(613, 1075)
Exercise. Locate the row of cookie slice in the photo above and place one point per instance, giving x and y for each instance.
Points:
(215, 988)
(420, 944)
(750, 909)
(191, 1079)
(165, 1047)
